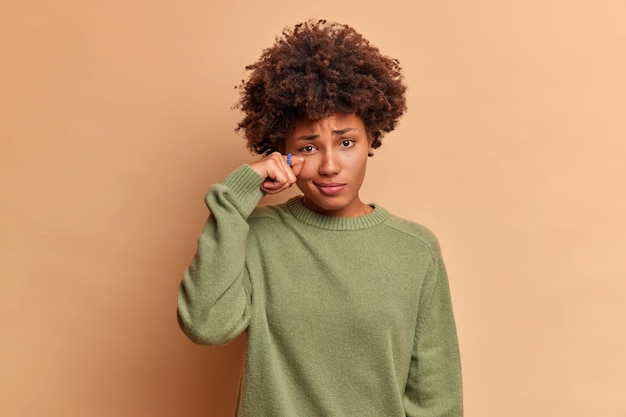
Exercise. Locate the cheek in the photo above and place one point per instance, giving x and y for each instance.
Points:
(360, 171)
(358, 163)
(308, 169)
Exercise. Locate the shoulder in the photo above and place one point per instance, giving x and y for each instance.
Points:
(269, 213)
(415, 231)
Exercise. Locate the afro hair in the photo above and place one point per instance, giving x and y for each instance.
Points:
(314, 70)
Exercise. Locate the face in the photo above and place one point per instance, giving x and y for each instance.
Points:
(335, 151)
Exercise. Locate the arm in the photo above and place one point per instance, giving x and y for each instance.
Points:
(434, 386)
(214, 295)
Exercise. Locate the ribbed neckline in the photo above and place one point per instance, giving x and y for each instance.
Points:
(312, 218)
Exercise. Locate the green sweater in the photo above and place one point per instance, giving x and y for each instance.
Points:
(345, 316)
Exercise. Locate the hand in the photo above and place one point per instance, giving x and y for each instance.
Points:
(277, 173)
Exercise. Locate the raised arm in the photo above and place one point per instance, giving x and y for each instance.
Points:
(214, 295)
(215, 292)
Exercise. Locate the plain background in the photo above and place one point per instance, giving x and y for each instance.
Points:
(116, 117)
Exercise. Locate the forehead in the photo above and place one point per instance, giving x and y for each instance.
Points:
(334, 122)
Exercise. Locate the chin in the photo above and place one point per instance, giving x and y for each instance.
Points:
(326, 205)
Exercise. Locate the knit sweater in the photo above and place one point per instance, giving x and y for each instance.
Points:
(346, 317)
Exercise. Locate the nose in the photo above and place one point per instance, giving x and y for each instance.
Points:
(330, 164)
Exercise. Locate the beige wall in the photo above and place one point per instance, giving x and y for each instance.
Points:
(116, 118)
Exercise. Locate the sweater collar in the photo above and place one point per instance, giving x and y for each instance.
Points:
(321, 221)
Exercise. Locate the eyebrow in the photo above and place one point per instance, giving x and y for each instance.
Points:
(335, 132)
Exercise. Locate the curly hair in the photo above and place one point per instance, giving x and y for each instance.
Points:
(313, 70)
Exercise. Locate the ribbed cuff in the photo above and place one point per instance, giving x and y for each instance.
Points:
(244, 186)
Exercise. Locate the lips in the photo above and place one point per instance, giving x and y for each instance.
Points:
(330, 188)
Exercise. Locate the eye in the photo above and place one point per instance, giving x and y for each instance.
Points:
(347, 143)
(307, 149)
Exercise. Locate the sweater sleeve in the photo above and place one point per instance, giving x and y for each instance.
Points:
(434, 385)
(214, 294)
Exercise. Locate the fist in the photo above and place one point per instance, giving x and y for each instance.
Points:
(277, 173)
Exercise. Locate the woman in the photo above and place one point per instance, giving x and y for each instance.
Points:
(346, 306)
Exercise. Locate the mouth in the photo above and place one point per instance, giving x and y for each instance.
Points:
(330, 188)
